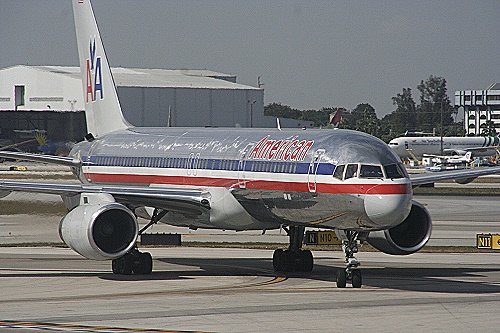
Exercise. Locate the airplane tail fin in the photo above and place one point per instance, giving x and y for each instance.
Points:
(102, 107)
(335, 119)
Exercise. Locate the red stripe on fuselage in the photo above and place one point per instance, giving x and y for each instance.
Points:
(269, 185)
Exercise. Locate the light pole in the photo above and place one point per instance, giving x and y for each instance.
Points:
(441, 126)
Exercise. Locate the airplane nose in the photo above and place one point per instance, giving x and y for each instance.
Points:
(387, 210)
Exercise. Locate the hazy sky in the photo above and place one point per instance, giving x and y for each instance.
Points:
(309, 54)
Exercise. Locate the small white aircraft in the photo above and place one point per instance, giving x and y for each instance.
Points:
(231, 179)
(440, 163)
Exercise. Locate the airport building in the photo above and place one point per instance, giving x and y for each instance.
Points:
(50, 98)
(481, 107)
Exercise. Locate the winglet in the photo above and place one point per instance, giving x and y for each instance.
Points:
(102, 108)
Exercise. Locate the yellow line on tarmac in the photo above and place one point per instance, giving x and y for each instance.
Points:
(81, 328)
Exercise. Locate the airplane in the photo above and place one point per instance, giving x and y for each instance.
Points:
(416, 147)
(440, 163)
(223, 178)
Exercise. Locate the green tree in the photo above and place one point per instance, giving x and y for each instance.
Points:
(364, 119)
(488, 128)
(404, 118)
(433, 102)
(281, 111)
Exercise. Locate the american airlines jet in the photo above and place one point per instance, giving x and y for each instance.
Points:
(232, 179)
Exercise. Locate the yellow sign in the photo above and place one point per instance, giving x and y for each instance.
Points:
(483, 241)
(322, 238)
(488, 241)
(495, 242)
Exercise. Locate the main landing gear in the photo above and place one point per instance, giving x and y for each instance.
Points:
(135, 261)
(351, 271)
(294, 258)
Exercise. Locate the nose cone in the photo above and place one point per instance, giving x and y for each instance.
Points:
(387, 210)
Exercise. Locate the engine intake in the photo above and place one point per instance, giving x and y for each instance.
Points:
(100, 231)
(406, 238)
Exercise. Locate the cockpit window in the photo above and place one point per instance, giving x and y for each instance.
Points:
(370, 171)
(396, 170)
(351, 171)
(393, 143)
(339, 171)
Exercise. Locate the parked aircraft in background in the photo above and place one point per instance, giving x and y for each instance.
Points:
(416, 147)
(231, 179)
(440, 163)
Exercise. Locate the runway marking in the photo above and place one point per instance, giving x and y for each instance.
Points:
(81, 328)
(275, 280)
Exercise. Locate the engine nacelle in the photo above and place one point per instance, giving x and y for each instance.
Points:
(100, 231)
(406, 238)
(464, 180)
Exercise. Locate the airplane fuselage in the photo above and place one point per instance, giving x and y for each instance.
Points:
(418, 146)
(260, 178)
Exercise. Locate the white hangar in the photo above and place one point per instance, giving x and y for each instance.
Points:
(51, 98)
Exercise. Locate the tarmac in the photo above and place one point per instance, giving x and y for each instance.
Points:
(236, 290)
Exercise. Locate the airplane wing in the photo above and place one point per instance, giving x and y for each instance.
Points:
(187, 201)
(178, 200)
(67, 161)
(426, 178)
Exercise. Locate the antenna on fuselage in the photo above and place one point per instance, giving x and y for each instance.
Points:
(169, 120)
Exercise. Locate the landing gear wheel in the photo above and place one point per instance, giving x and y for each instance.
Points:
(294, 258)
(306, 261)
(280, 260)
(341, 278)
(356, 278)
(143, 263)
(123, 265)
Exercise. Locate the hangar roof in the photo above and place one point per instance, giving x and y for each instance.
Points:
(159, 78)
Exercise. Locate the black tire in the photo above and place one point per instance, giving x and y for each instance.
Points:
(115, 265)
(341, 278)
(124, 265)
(145, 265)
(306, 261)
(279, 260)
(356, 278)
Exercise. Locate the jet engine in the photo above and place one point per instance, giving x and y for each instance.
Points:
(464, 180)
(406, 238)
(100, 231)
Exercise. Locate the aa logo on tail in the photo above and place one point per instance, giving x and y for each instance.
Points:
(94, 74)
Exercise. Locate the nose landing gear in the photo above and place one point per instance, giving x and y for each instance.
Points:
(351, 271)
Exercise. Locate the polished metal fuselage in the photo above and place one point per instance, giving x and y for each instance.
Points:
(277, 177)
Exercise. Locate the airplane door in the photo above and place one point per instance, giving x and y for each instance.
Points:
(313, 170)
(242, 164)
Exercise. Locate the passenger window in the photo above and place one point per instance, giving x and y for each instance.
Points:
(351, 171)
(370, 171)
(339, 171)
